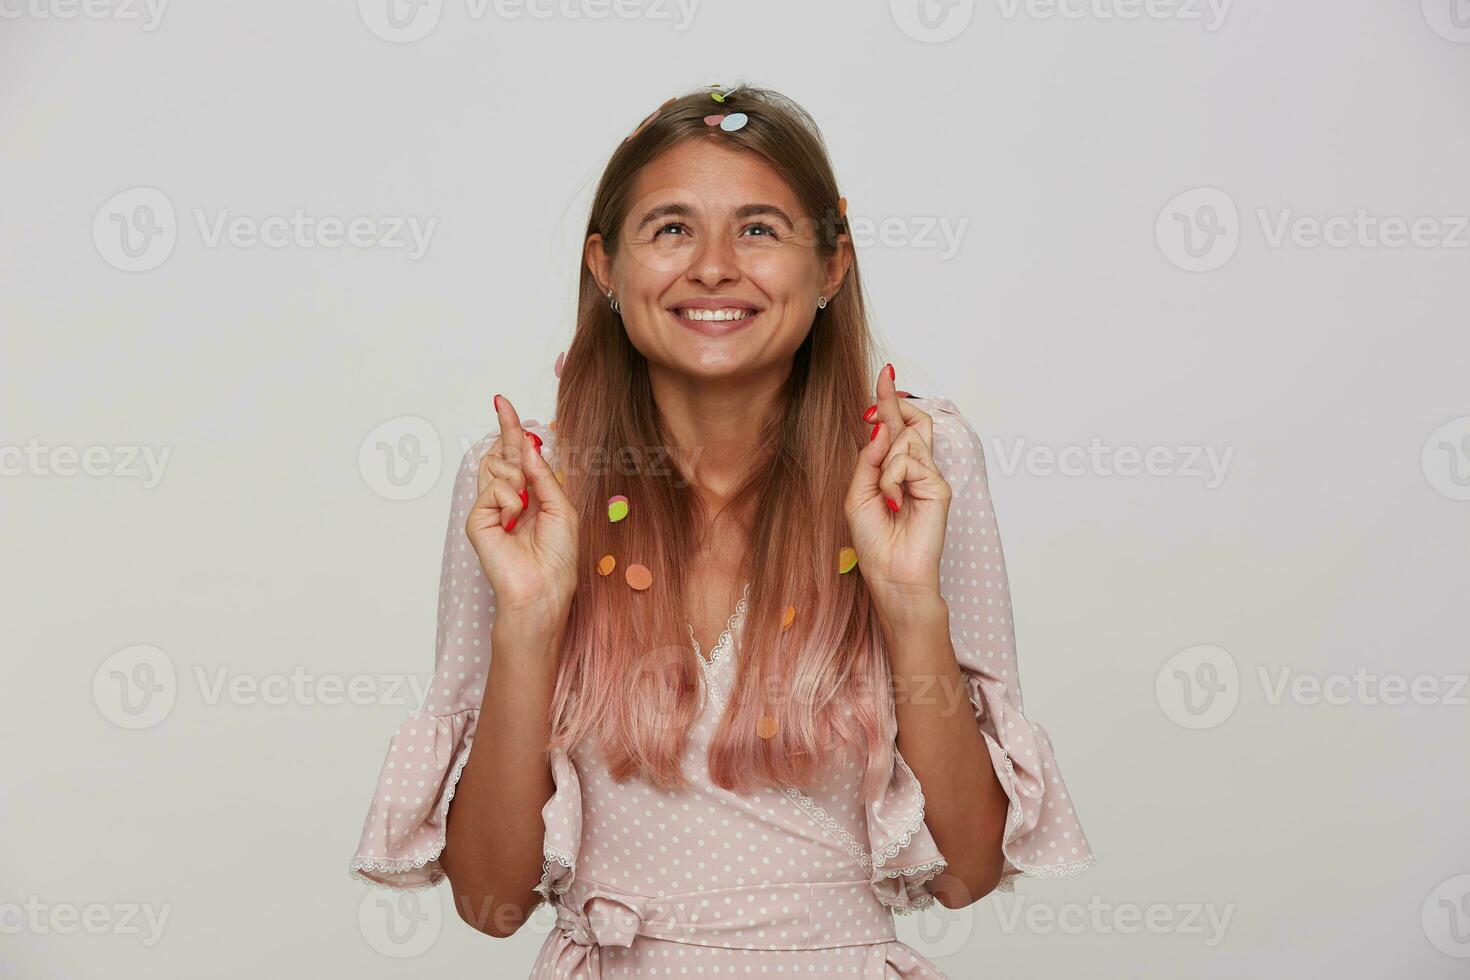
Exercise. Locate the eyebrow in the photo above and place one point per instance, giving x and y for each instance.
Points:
(678, 210)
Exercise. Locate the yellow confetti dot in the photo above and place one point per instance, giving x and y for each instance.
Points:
(560, 476)
(617, 508)
(846, 560)
(606, 565)
(766, 727)
(638, 577)
(788, 617)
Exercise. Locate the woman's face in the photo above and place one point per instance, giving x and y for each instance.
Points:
(717, 271)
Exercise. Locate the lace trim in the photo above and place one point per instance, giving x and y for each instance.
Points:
(831, 827)
(1008, 879)
(361, 863)
(921, 901)
(737, 618)
(544, 887)
(433, 882)
(880, 857)
(722, 645)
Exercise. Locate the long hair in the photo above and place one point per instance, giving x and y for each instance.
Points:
(629, 678)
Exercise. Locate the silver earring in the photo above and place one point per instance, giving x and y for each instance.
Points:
(612, 301)
(821, 302)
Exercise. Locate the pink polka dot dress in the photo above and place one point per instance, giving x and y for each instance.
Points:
(790, 881)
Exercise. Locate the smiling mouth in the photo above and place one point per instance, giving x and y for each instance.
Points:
(715, 316)
(715, 323)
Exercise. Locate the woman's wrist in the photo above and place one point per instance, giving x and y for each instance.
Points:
(530, 628)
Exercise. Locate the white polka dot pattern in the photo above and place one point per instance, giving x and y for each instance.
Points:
(1043, 838)
(740, 871)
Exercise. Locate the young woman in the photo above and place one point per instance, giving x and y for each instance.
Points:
(700, 791)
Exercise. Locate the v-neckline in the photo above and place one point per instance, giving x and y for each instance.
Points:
(722, 645)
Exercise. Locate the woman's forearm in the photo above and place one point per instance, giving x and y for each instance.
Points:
(493, 837)
(965, 805)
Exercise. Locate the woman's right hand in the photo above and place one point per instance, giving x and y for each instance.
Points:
(523, 527)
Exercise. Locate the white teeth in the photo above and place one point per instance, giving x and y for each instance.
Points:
(717, 314)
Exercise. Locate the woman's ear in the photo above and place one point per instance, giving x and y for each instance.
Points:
(598, 261)
(836, 265)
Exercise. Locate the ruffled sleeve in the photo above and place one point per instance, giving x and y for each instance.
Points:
(1043, 837)
(403, 835)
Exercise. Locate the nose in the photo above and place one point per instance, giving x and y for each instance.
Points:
(715, 262)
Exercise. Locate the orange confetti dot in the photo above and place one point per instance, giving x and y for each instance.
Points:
(606, 565)
(638, 577)
(846, 560)
(766, 727)
(788, 617)
(842, 207)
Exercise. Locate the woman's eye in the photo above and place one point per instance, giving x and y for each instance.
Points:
(672, 224)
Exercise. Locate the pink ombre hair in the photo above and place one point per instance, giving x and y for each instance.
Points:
(628, 677)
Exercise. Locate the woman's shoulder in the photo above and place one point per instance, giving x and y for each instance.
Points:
(959, 453)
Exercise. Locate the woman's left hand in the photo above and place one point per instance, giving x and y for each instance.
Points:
(898, 504)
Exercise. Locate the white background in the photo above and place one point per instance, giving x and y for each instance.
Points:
(1335, 540)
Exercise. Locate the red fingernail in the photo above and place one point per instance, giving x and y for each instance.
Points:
(904, 394)
(891, 375)
(868, 415)
(536, 440)
(511, 524)
(525, 498)
(875, 431)
(892, 504)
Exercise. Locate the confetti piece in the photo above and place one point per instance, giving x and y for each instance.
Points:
(788, 617)
(606, 565)
(638, 577)
(551, 425)
(846, 560)
(766, 727)
(617, 508)
(561, 476)
(717, 96)
(560, 360)
(842, 207)
(714, 120)
(734, 121)
(643, 125)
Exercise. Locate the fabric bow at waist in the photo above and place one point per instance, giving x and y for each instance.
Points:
(592, 916)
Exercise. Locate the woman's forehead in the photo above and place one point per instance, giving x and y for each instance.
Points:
(709, 180)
